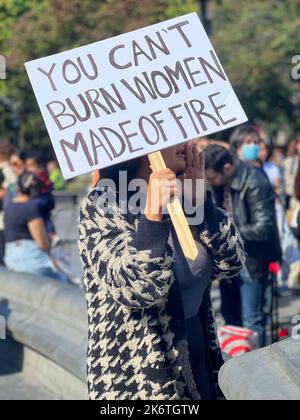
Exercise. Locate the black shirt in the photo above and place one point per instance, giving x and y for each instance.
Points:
(16, 219)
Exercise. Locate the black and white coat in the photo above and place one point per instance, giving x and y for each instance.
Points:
(137, 341)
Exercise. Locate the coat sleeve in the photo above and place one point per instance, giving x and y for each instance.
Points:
(133, 265)
(261, 207)
(219, 234)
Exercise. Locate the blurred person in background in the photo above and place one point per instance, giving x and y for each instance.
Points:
(294, 273)
(246, 193)
(290, 265)
(278, 157)
(55, 175)
(273, 171)
(27, 243)
(291, 166)
(295, 215)
(17, 163)
(245, 144)
(35, 163)
(291, 148)
(2, 191)
(9, 178)
(44, 200)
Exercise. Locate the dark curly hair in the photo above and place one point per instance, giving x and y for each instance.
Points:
(29, 184)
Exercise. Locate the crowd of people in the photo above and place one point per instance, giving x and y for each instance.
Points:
(27, 232)
(259, 187)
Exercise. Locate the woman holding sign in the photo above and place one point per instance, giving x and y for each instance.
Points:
(151, 328)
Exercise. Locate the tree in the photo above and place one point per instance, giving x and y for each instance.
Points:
(256, 41)
(61, 25)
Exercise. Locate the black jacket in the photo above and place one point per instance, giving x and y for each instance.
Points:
(252, 200)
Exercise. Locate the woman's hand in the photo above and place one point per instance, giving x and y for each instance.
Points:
(162, 188)
(195, 170)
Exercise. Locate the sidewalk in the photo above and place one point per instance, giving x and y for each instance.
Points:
(16, 386)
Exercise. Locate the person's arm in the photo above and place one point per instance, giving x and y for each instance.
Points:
(38, 232)
(133, 265)
(220, 236)
(260, 201)
(277, 180)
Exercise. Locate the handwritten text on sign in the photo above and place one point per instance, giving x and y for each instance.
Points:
(132, 95)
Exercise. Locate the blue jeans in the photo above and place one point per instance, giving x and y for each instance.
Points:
(253, 294)
(25, 257)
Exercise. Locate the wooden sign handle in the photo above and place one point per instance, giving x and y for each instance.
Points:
(177, 215)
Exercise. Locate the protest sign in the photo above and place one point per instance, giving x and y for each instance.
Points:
(133, 95)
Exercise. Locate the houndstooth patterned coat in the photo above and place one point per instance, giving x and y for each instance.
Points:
(137, 342)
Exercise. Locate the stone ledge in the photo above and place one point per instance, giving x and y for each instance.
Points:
(49, 320)
(26, 375)
(287, 356)
(272, 373)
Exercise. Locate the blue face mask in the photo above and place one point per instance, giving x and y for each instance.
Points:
(250, 151)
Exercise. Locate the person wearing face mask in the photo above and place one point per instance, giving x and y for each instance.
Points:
(250, 152)
(247, 194)
(245, 143)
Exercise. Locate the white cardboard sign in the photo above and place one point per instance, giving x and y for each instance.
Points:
(133, 95)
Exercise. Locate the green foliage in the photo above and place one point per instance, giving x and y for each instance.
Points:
(255, 40)
(48, 27)
(10, 12)
(176, 8)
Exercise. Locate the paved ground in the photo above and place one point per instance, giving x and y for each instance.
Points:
(16, 386)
